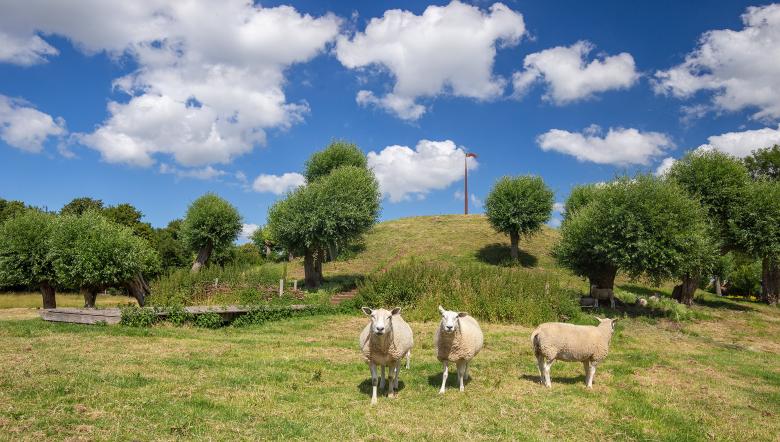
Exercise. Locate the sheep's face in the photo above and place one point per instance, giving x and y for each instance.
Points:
(381, 319)
(449, 320)
(608, 322)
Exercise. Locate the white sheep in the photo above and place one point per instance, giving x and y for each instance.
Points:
(457, 339)
(572, 343)
(385, 341)
(596, 293)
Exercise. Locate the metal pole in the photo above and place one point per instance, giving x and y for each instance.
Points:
(465, 183)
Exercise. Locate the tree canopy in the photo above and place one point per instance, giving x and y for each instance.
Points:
(211, 223)
(24, 253)
(81, 205)
(10, 208)
(337, 154)
(764, 163)
(519, 206)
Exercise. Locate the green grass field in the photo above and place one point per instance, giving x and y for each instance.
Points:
(713, 377)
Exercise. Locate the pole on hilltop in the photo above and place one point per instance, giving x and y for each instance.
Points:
(466, 181)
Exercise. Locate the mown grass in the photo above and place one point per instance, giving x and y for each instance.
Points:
(33, 300)
(303, 378)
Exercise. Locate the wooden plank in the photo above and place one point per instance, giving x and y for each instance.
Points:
(76, 317)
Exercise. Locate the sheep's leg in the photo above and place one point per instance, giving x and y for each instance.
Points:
(466, 372)
(540, 364)
(547, 366)
(408, 358)
(461, 371)
(444, 373)
(392, 378)
(374, 381)
(595, 302)
(397, 374)
(586, 366)
(612, 301)
(591, 374)
(382, 380)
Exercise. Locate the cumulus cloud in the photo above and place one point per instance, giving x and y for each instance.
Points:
(246, 231)
(203, 173)
(26, 128)
(404, 172)
(447, 49)
(210, 79)
(742, 144)
(620, 146)
(665, 166)
(569, 76)
(278, 184)
(559, 207)
(741, 68)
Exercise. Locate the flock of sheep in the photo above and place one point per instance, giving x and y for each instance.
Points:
(387, 339)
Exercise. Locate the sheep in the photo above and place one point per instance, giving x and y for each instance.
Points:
(457, 339)
(597, 293)
(384, 341)
(572, 343)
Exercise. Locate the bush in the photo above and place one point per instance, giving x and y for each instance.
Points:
(487, 293)
(178, 316)
(133, 316)
(209, 320)
(262, 315)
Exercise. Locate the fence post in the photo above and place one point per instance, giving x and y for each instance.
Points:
(295, 285)
(281, 287)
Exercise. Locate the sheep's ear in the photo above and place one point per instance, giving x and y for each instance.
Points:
(599, 319)
(366, 310)
(395, 311)
(462, 314)
(441, 310)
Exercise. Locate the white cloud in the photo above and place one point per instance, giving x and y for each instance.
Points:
(569, 76)
(203, 173)
(210, 79)
(26, 128)
(742, 144)
(246, 231)
(403, 172)
(447, 49)
(742, 68)
(665, 166)
(559, 207)
(619, 147)
(278, 184)
(473, 198)
(24, 51)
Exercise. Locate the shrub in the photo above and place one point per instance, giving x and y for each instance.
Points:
(209, 320)
(487, 293)
(262, 315)
(176, 315)
(133, 316)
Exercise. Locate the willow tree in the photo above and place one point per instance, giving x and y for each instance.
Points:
(24, 253)
(519, 206)
(337, 154)
(211, 223)
(645, 227)
(335, 208)
(93, 253)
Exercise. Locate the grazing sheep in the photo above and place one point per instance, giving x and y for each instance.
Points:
(597, 293)
(457, 339)
(572, 343)
(384, 341)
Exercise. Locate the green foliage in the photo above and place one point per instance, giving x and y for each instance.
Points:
(519, 205)
(210, 219)
(173, 253)
(579, 197)
(644, 226)
(337, 154)
(216, 285)
(209, 320)
(718, 181)
(80, 206)
(764, 163)
(24, 249)
(176, 315)
(663, 305)
(92, 252)
(486, 292)
(262, 315)
(756, 224)
(9, 209)
(133, 316)
(723, 266)
(745, 279)
(334, 209)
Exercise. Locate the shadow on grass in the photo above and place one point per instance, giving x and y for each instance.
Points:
(723, 303)
(642, 291)
(500, 254)
(434, 380)
(365, 387)
(556, 379)
(339, 283)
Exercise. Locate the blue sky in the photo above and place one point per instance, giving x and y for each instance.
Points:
(157, 105)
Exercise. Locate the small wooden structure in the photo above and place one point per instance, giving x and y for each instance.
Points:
(114, 315)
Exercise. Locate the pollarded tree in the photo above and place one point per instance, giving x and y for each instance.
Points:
(644, 226)
(519, 206)
(94, 253)
(337, 154)
(757, 227)
(579, 197)
(79, 206)
(764, 163)
(336, 208)
(211, 223)
(24, 253)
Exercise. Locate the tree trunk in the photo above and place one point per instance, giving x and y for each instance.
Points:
(718, 288)
(203, 256)
(333, 252)
(319, 259)
(49, 300)
(138, 288)
(267, 251)
(688, 289)
(310, 275)
(90, 295)
(514, 239)
(605, 279)
(771, 281)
